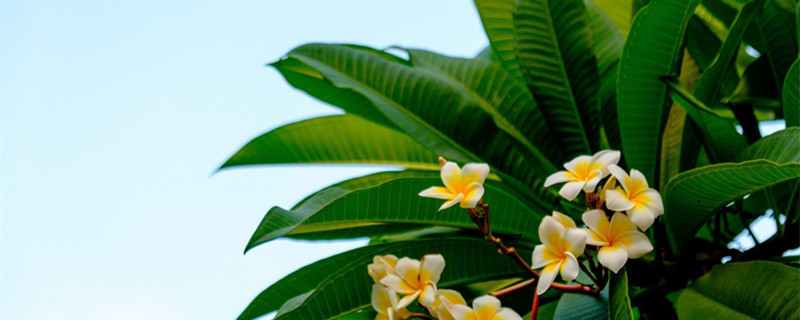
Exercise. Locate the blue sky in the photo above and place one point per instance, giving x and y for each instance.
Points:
(115, 116)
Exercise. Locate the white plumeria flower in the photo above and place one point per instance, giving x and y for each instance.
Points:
(439, 309)
(558, 252)
(483, 308)
(642, 203)
(564, 220)
(462, 186)
(583, 173)
(618, 240)
(416, 279)
(381, 266)
(384, 301)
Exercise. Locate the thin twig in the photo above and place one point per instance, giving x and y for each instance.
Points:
(535, 307)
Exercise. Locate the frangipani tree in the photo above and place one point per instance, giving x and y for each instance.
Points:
(639, 102)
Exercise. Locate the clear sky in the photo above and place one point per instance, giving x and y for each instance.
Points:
(115, 115)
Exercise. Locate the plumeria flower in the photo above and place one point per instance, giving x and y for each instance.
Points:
(564, 220)
(583, 173)
(641, 203)
(416, 279)
(462, 186)
(483, 308)
(381, 266)
(558, 252)
(439, 308)
(384, 301)
(619, 240)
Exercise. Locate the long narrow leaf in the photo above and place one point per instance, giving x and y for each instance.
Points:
(554, 46)
(335, 139)
(651, 51)
(497, 17)
(791, 95)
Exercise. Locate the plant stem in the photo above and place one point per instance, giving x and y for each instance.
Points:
(535, 307)
(514, 287)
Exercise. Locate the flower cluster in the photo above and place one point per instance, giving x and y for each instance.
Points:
(632, 204)
(417, 280)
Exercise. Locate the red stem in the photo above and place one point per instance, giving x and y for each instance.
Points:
(535, 307)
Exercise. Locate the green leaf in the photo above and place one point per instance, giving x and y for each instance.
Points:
(791, 95)
(497, 17)
(748, 290)
(777, 39)
(335, 139)
(619, 12)
(608, 43)
(780, 147)
(713, 77)
(331, 274)
(508, 101)
(620, 303)
(389, 200)
(554, 48)
(721, 139)
(347, 288)
(576, 306)
(651, 51)
(434, 112)
(694, 196)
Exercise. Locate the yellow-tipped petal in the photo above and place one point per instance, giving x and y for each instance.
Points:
(546, 277)
(617, 200)
(570, 190)
(506, 314)
(550, 233)
(431, 267)
(570, 268)
(641, 216)
(620, 224)
(437, 193)
(428, 295)
(397, 284)
(473, 196)
(474, 172)
(558, 177)
(594, 179)
(451, 175)
(564, 220)
(576, 240)
(652, 199)
(636, 243)
(485, 306)
(597, 222)
(452, 202)
(576, 164)
(542, 256)
(613, 257)
(381, 299)
(407, 299)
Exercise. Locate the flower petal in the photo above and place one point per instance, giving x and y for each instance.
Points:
(641, 216)
(428, 296)
(407, 300)
(638, 177)
(550, 233)
(452, 202)
(654, 201)
(558, 177)
(591, 184)
(619, 174)
(613, 257)
(546, 277)
(485, 306)
(408, 270)
(576, 240)
(617, 200)
(605, 158)
(451, 175)
(396, 284)
(542, 256)
(381, 298)
(636, 243)
(564, 219)
(461, 312)
(430, 268)
(506, 314)
(570, 190)
(474, 172)
(474, 194)
(570, 268)
(620, 224)
(437, 193)
(596, 221)
(573, 164)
